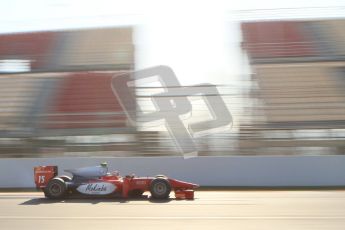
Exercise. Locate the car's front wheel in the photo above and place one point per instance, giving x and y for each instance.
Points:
(56, 189)
(160, 188)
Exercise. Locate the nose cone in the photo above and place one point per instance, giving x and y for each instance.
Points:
(177, 184)
(195, 186)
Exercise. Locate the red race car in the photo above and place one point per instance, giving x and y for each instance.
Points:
(97, 181)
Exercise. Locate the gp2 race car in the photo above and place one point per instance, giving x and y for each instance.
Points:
(97, 181)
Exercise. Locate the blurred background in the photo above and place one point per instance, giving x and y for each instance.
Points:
(279, 67)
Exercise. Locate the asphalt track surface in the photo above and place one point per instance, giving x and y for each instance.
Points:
(210, 210)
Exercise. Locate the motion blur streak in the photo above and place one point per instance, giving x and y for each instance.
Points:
(211, 209)
(56, 98)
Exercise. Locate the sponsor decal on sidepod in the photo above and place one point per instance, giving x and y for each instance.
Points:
(101, 188)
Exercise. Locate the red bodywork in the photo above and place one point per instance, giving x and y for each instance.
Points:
(124, 185)
(43, 174)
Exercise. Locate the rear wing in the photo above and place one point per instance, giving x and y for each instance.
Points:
(43, 174)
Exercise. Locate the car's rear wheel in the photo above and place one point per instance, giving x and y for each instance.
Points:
(66, 178)
(56, 189)
(160, 188)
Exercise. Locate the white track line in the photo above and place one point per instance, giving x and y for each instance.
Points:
(172, 218)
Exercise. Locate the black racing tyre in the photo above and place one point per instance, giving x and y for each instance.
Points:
(160, 188)
(66, 178)
(136, 193)
(161, 176)
(56, 188)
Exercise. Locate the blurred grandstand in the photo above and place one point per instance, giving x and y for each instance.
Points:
(56, 97)
(298, 67)
(63, 102)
